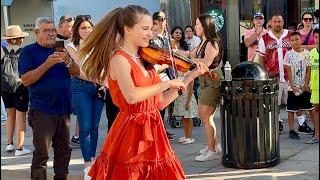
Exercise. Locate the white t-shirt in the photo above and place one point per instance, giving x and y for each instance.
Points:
(193, 42)
(298, 62)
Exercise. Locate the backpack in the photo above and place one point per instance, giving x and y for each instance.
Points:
(10, 80)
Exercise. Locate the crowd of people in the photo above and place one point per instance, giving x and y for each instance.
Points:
(101, 65)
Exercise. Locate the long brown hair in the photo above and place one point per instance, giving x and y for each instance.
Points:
(75, 28)
(209, 29)
(101, 42)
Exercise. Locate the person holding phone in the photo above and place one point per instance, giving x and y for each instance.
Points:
(86, 103)
(47, 73)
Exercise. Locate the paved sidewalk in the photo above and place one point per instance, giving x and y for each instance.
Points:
(298, 160)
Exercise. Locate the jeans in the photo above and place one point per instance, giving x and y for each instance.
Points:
(87, 106)
(49, 130)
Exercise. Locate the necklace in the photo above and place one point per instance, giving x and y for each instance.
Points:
(131, 55)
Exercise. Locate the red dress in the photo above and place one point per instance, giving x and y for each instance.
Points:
(137, 147)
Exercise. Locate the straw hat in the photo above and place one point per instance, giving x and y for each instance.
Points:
(14, 31)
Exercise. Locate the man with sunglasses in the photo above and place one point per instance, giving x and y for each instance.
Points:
(65, 28)
(252, 36)
(162, 41)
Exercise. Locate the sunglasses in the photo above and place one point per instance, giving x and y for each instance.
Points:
(307, 19)
(70, 19)
(84, 17)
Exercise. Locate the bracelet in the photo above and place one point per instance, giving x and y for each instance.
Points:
(69, 64)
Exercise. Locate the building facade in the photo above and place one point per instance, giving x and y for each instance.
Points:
(233, 17)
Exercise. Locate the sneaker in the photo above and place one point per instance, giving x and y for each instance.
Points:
(294, 135)
(305, 129)
(280, 126)
(218, 149)
(208, 155)
(75, 141)
(170, 136)
(313, 140)
(21, 152)
(9, 148)
(202, 151)
(182, 139)
(188, 141)
(86, 171)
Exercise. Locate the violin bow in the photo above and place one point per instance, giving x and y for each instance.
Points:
(168, 35)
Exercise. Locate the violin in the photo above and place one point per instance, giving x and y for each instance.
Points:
(161, 56)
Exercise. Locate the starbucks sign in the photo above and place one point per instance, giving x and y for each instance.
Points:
(218, 18)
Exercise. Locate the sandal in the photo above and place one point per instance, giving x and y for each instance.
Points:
(313, 140)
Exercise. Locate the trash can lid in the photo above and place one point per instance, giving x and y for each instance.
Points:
(249, 71)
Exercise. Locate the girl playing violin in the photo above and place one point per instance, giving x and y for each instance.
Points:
(136, 146)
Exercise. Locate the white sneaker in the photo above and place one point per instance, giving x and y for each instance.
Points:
(86, 171)
(182, 139)
(209, 155)
(9, 148)
(202, 151)
(188, 141)
(22, 152)
(218, 149)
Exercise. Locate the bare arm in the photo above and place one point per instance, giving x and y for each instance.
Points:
(169, 96)
(249, 40)
(73, 55)
(307, 79)
(210, 53)
(261, 60)
(289, 72)
(120, 70)
(73, 69)
(34, 75)
(189, 94)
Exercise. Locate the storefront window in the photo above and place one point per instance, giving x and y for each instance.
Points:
(307, 5)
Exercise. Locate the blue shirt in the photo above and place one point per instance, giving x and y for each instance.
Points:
(51, 94)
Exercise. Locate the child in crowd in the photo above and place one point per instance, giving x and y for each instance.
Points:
(314, 86)
(297, 64)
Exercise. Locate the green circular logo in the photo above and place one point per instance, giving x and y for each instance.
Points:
(218, 18)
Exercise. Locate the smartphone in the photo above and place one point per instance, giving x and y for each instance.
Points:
(59, 46)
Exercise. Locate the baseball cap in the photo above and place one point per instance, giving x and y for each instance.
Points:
(158, 15)
(258, 14)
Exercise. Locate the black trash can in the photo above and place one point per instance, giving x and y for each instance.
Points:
(249, 118)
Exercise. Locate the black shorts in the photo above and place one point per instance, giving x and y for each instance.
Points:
(301, 102)
(18, 100)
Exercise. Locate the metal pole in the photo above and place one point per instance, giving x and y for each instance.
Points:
(6, 16)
